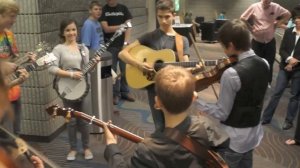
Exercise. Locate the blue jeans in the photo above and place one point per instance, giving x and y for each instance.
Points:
(157, 115)
(237, 160)
(281, 83)
(120, 88)
(77, 124)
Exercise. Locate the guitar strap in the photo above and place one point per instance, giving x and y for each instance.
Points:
(195, 148)
(82, 53)
(188, 143)
(179, 46)
(9, 46)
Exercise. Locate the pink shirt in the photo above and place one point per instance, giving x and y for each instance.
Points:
(264, 20)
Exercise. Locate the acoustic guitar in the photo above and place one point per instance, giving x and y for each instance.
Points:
(157, 59)
(214, 159)
(44, 60)
(40, 48)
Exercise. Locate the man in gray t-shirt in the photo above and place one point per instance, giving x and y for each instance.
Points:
(161, 38)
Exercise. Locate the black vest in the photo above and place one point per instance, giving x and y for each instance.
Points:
(248, 103)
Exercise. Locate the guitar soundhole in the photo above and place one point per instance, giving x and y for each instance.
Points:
(158, 65)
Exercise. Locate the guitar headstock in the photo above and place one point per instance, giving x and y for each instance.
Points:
(21, 147)
(55, 110)
(42, 47)
(46, 59)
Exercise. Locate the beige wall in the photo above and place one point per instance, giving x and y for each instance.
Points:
(233, 8)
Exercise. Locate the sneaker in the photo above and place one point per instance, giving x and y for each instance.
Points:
(287, 125)
(88, 155)
(264, 122)
(116, 100)
(128, 97)
(71, 155)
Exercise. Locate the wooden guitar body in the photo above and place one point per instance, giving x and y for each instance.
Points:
(135, 78)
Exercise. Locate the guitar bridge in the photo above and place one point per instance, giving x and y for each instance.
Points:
(66, 91)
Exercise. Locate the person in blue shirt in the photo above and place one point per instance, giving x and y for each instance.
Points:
(221, 15)
(91, 31)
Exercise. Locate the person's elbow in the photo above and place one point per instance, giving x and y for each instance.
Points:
(121, 55)
(243, 19)
(106, 29)
(287, 16)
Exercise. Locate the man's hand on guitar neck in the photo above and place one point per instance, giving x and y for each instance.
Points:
(37, 162)
(31, 56)
(22, 76)
(109, 136)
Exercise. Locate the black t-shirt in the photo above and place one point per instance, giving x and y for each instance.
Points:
(115, 16)
(158, 40)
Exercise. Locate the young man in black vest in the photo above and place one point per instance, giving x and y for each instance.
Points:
(240, 102)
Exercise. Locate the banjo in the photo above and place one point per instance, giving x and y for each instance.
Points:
(75, 90)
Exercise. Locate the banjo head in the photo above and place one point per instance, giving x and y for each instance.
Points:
(72, 90)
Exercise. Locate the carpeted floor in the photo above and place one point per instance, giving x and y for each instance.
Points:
(136, 118)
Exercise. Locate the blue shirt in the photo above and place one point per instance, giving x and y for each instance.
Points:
(92, 34)
(291, 23)
(241, 139)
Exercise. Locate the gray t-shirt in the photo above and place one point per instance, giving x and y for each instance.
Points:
(158, 40)
(67, 59)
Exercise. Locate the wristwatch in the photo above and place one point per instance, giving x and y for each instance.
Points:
(125, 43)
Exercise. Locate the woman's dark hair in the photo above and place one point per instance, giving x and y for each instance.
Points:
(63, 24)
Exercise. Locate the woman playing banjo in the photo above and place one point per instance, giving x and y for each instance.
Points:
(71, 55)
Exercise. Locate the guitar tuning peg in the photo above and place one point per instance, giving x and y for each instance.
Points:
(68, 116)
(54, 112)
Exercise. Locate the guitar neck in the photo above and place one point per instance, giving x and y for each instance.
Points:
(21, 60)
(159, 66)
(114, 129)
(28, 68)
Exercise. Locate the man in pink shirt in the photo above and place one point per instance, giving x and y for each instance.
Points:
(263, 18)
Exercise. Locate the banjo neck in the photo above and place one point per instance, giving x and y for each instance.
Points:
(99, 52)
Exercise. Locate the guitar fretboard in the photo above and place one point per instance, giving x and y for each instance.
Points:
(28, 68)
(98, 53)
(159, 65)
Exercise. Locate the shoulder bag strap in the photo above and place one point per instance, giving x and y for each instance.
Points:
(9, 46)
(179, 46)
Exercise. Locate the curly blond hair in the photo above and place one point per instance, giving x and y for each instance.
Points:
(9, 6)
